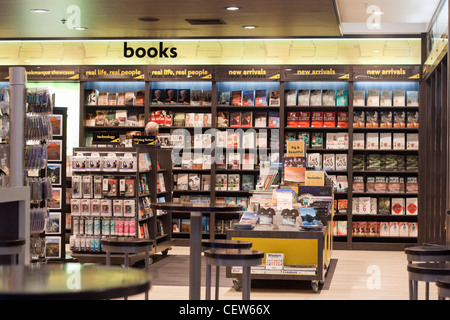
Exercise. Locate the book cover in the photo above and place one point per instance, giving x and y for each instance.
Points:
(206, 99)
(385, 140)
(112, 98)
(248, 98)
(303, 98)
(341, 162)
(386, 119)
(102, 98)
(329, 98)
(221, 182)
(294, 169)
(292, 119)
(121, 98)
(233, 182)
(184, 96)
(274, 98)
(329, 119)
(412, 98)
(342, 119)
(412, 119)
(100, 119)
(247, 182)
(274, 119)
(317, 140)
(246, 119)
(290, 97)
(130, 98)
(412, 141)
(206, 182)
(358, 141)
(314, 178)
(398, 141)
(224, 98)
(304, 119)
(342, 98)
(399, 98)
(110, 119)
(140, 97)
(399, 119)
(196, 97)
(260, 98)
(314, 160)
(171, 96)
(372, 119)
(260, 119)
(359, 98)
(359, 119)
(316, 119)
(90, 97)
(236, 98)
(235, 119)
(222, 119)
(386, 98)
(329, 162)
(373, 98)
(158, 96)
(316, 98)
(398, 206)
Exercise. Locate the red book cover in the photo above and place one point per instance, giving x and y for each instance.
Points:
(316, 119)
(304, 119)
(343, 119)
(329, 119)
(292, 119)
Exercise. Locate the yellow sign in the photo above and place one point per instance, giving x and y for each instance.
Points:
(314, 178)
(296, 148)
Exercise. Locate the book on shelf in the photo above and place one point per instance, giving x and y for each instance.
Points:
(184, 96)
(411, 206)
(412, 141)
(412, 98)
(130, 98)
(314, 160)
(206, 99)
(342, 98)
(233, 182)
(316, 119)
(359, 98)
(90, 97)
(121, 98)
(260, 119)
(235, 119)
(224, 98)
(399, 119)
(317, 140)
(292, 119)
(359, 119)
(412, 119)
(342, 119)
(304, 119)
(206, 182)
(140, 98)
(294, 169)
(260, 98)
(247, 119)
(386, 119)
(274, 98)
(274, 119)
(329, 98)
(303, 98)
(399, 98)
(398, 206)
(112, 98)
(194, 182)
(290, 97)
(196, 97)
(315, 98)
(158, 96)
(248, 98)
(372, 119)
(236, 98)
(373, 98)
(329, 119)
(247, 182)
(221, 182)
(182, 181)
(223, 119)
(386, 98)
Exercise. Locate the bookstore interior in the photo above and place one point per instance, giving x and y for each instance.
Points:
(315, 137)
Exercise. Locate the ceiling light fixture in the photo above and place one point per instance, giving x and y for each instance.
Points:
(249, 27)
(80, 28)
(232, 8)
(39, 10)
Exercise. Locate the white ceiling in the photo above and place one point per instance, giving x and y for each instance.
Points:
(275, 18)
(398, 16)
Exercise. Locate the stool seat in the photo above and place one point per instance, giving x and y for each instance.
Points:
(443, 283)
(435, 250)
(436, 269)
(234, 254)
(226, 244)
(4, 243)
(127, 242)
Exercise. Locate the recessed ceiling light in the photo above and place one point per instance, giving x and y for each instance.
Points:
(376, 51)
(377, 13)
(232, 8)
(80, 28)
(39, 10)
(249, 27)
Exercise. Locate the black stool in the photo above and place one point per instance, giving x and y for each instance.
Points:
(127, 246)
(220, 244)
(244, 258)
(426, 253)
(12, 247)
(428, 272)
(443, 286)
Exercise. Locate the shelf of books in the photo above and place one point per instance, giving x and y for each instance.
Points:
(112, 189)
(221, 123)
(383, 190)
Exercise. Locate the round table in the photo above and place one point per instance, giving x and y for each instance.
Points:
(70, 281)
(195, 210)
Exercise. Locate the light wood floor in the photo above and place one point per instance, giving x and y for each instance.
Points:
(359, 275)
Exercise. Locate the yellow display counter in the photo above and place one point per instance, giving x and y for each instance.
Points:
(307, 254)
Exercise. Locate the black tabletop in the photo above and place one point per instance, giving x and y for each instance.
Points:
(226, 244)
(190, 207)
(70, 281)
(436, 250)
(441, 268)
(127, 242)
(11, 242)
(235, 254)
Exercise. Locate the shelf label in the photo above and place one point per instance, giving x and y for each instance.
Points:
(297, 73)
(247, 73)
(105, 138)
(386, 73)
(112, 73)
(179, 73)
(48, 73)
(144, 140)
